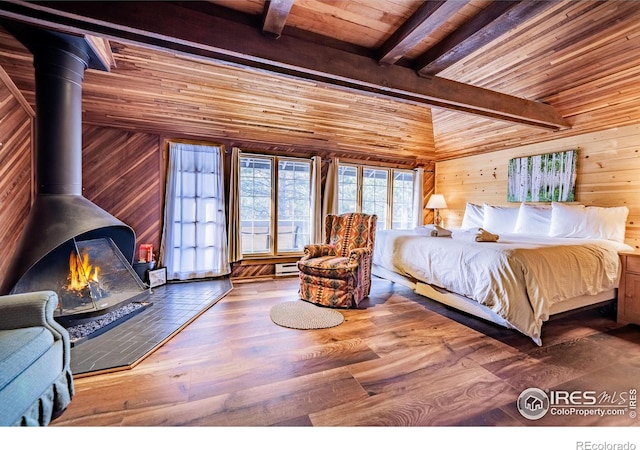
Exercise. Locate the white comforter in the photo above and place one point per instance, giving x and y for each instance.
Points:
(518, 278)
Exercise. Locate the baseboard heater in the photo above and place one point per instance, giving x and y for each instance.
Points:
(284, 270)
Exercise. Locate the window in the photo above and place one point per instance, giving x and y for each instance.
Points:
(255, 204)
(275, 204)
(388, 193)
(294, 204)
(402, 205)
(375, 187)
(347, 189)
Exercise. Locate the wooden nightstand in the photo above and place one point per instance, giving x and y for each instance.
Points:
(629, 289)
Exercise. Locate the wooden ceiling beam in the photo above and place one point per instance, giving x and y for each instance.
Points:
(492, 22)
(427, 18)
(169, 26)
(275, 16)
(102, 49)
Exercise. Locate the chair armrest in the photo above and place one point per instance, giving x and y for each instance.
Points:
(33, 309)
(316, 251)
(357, 254)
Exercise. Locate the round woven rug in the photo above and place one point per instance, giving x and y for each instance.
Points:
(302, 315)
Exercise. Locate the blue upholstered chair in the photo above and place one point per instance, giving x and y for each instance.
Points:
(36, 384)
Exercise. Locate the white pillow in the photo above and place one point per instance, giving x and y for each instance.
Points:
(608, 223)
(473, 216)
(533, 220)
(500, 219)
(568, 221)
(592, 222)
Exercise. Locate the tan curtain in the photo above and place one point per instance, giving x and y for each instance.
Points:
(418, 180)
(330, 201)
(315, 224)
(235, 245)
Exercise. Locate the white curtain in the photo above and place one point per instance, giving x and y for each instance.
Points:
(330, 201)
(235, 244)
(418, 183)
(315, 218)
(194, 238)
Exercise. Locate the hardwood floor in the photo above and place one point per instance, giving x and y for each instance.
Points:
(397, 360)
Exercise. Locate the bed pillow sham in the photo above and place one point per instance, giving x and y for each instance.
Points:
(588, 222)
(608, 223)
(533, 220)
(568, 220)
(500, 219)
(473, 216)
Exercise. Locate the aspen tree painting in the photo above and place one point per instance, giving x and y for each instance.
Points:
(543, 178)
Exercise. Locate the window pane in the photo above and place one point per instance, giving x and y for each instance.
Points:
(402, 209)
(188, 188)
(255, 204)
(374, 193)
(188, 235)
(347, 189)
(294, 206)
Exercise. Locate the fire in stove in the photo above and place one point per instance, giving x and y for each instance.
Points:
(97, 277)
(90, 276)
(83, 275)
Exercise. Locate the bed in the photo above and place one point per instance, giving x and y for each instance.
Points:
(544, 261)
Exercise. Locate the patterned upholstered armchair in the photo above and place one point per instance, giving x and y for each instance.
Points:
(337, 273)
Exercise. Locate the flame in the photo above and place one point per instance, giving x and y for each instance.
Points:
(81, 272)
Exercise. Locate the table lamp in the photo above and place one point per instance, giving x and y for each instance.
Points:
(437, 202)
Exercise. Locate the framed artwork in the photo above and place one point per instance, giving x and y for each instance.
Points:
(543, 178)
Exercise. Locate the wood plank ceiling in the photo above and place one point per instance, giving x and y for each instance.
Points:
(428, 80)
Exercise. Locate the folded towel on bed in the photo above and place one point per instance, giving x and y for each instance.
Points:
(475, 235)
(432, 230)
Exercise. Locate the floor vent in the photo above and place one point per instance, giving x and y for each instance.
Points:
(284, 270)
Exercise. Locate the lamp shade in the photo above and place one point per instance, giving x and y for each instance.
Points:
(436, 201)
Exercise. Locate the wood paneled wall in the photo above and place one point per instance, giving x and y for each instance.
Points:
(123, 173)
(16, 131)
(428, 187)
(608, 174)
